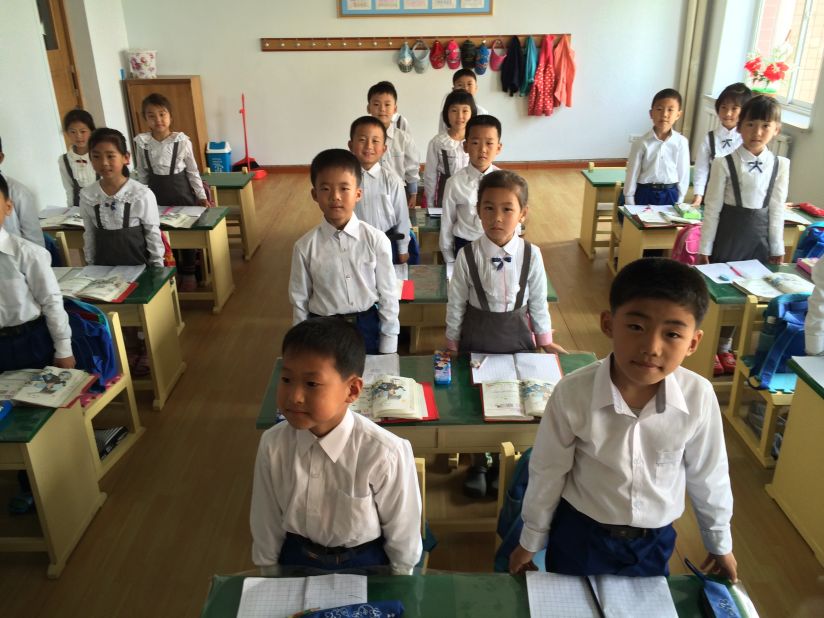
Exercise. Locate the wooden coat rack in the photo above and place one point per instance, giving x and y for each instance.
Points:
(383, 43)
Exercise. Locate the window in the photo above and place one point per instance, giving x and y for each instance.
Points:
(801, 24)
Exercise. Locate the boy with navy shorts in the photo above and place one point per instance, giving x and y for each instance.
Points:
(623, 438)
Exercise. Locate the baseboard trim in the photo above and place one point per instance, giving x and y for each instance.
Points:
(513, 165)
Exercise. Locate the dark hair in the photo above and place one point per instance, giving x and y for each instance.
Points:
(660, 278)
(364, 121)
(457, 97)
(737, 94)
(505, 179)
(667, 93)
(761, 107)
(330, 337)
(382, 88)
(484, 120)
(111, 136)
(463, 73)
(337, 158)
(78, 115)
(157, 100)
(4, 187)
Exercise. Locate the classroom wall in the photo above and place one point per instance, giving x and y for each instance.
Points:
(29, 120)
(299, 103)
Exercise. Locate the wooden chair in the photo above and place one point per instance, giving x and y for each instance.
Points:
(614, 229)
(120, 413)
(508, 459)
(62, 247)
(761, 447)
(420, 470)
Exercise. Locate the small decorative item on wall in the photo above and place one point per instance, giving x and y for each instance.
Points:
(377, 8)
(766, 75)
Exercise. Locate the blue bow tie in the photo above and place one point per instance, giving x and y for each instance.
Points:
(726, 143)
(499, 262)
(755, 165)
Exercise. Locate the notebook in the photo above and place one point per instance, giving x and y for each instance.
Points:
(406, 289)
(727, 272)
(380, 364)
(282, 597)
(521, 366)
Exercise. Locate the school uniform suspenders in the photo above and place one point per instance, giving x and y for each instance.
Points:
(736, 187)
(172, 189)
(127, 211)
(443, 177)
(711, 135)
(75, 185)
(171, 165)
(123, 246)
(476, 277)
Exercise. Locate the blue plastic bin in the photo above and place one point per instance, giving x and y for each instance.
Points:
(219, 156)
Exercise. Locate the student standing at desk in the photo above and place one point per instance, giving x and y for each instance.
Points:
(814, 323)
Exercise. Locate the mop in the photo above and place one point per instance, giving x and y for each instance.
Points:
(247, 161)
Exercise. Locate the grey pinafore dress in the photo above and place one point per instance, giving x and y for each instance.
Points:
(124, 246)
(172, 189)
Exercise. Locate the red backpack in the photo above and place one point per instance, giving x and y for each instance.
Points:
(687, 241)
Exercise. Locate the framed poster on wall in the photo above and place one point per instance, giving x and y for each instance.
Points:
(378, 8)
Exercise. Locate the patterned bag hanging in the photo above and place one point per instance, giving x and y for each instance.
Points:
(497, 55)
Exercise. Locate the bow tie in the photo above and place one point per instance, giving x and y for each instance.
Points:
(726, 143)
(755, 165)
(499, 262)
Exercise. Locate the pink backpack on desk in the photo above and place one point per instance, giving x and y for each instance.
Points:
(687, 242)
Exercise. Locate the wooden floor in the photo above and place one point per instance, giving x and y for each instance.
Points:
(178, 506)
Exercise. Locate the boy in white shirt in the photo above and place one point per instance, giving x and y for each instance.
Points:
(332, 490)
(624, 437)
(344, 266)
(23, 220)
(658, 166)
(383, 204)
(460, 223)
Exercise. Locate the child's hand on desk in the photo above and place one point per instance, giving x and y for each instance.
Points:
(65, 363)
(776, 259)
(725, 566)
(403, 258)
(702, 259)
(520, 561)
(553, 348)
(696, 200)
(204, 202)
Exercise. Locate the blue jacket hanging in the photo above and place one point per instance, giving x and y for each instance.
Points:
(512, 69)
(530, 65)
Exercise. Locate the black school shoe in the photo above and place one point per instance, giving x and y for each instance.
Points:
(492, 480)
(475, 483)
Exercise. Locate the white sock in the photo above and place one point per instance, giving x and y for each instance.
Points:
(724, 345)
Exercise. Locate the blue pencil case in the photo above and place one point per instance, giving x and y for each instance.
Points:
(377, 609)
(716, 598)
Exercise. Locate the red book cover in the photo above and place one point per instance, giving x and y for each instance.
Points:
(431, 408)
(408, 291)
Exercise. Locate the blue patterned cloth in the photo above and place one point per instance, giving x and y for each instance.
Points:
(378, 609)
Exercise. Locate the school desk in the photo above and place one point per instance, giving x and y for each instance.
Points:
(429, 307)
(234, 189)
(442, 594)
(52, 447)
(428, 231)
(598, 189)
(798, 485)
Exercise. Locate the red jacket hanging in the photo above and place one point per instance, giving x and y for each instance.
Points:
(540, 97)
(564, 72)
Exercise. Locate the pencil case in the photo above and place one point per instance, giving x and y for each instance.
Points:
(716, 599)
(377, 609)
(443, 367)
(810, 209)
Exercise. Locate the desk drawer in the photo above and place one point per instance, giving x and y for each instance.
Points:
(419, 437)
(488, 437)
(11, 456)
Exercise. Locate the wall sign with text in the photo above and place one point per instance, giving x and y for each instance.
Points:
(372, 8)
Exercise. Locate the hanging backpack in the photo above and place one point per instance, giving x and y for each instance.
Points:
(781, 338)
(811, 242)
(510, 523)
(687, 241)
(92, 345)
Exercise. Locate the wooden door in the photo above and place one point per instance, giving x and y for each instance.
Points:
(60, 55)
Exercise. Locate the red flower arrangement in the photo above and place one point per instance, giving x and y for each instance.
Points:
(764, 78)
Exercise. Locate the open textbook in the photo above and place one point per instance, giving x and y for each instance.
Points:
(59, 216)
(180, 216)
(111, 284)
(282, 597)
(394, 397)
(515, 400)
(51, 387)
(774, 284)
(521, 366)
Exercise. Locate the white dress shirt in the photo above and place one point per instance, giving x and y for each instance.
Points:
(442, 124)
(726, 141)
(500, 286)
(653, 161)
(383, 203)
(160, 155)
(460, 213)
(623, 469)
(28, 289)
(814, 324)
(24, 219)
(346, 271)
(400, 122)
(455, 155)
(143, 212)
(402, 157)
(753, 186)
(342, 490)
(81, 166)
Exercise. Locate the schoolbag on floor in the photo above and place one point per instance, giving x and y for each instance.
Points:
(687, 242)
(91, 341)
(811, 242)
(781, 338)
(510, 523)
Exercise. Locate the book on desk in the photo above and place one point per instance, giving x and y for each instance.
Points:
(180, 217)
(393, 398)
(50, 387)
(110, 284)
(60, 216)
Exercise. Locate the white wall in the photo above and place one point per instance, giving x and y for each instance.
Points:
(299, 103)
(29, 120)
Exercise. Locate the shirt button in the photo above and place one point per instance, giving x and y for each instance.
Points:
(348, 277)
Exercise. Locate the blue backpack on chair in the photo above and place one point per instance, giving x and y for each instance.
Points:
(510, 523)
(91, 341)
(811, 242)
(781, 338)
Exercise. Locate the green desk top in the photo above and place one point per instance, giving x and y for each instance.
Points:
(458, 595)
(814, 384)
(605, 176)
(431, 285)
(22, 423)
(458, 403)
(149, 284)
(228, 180)
(424, 223)
(728, 294)
(207, 221)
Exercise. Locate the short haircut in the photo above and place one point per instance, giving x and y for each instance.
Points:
(737, 94)
(484, 120)
(335, 158)
(505, 179)
(382, 88)
(457, 97)
(761, 107)
(667, 93)
(364, 121)
(4, 187)
(111, 136)
(78, 115)
(662, 279)
(463, 73)
(330, 337)
(157, 100)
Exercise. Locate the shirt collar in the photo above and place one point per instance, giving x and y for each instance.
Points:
(78, 157)
(332, 443)
(723, 132)
(352, 228)
(606, 395)
(747, 156)
(490, 249)
(7, 245)
(374, 171)
(652, 137)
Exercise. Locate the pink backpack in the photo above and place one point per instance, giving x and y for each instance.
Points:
(687, 241)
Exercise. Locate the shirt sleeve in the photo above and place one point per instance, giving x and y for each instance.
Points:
(448, 218)
(398, 501)
(192, 172)
(388, 300)
(300, 286)
(46, 292)
(66, 180)
(430, 172)
(551, 460)
(814, 324)
(89, 227)
(776, 206)
(151, 230)
(411, 164)
(140, 170)
(683, 168)
(708, 480)
(538, 311)
(265, 518)
(401, 216)
(458, 296)
(702, 166)
(713, 203)
(636, 154)
(27, 210)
